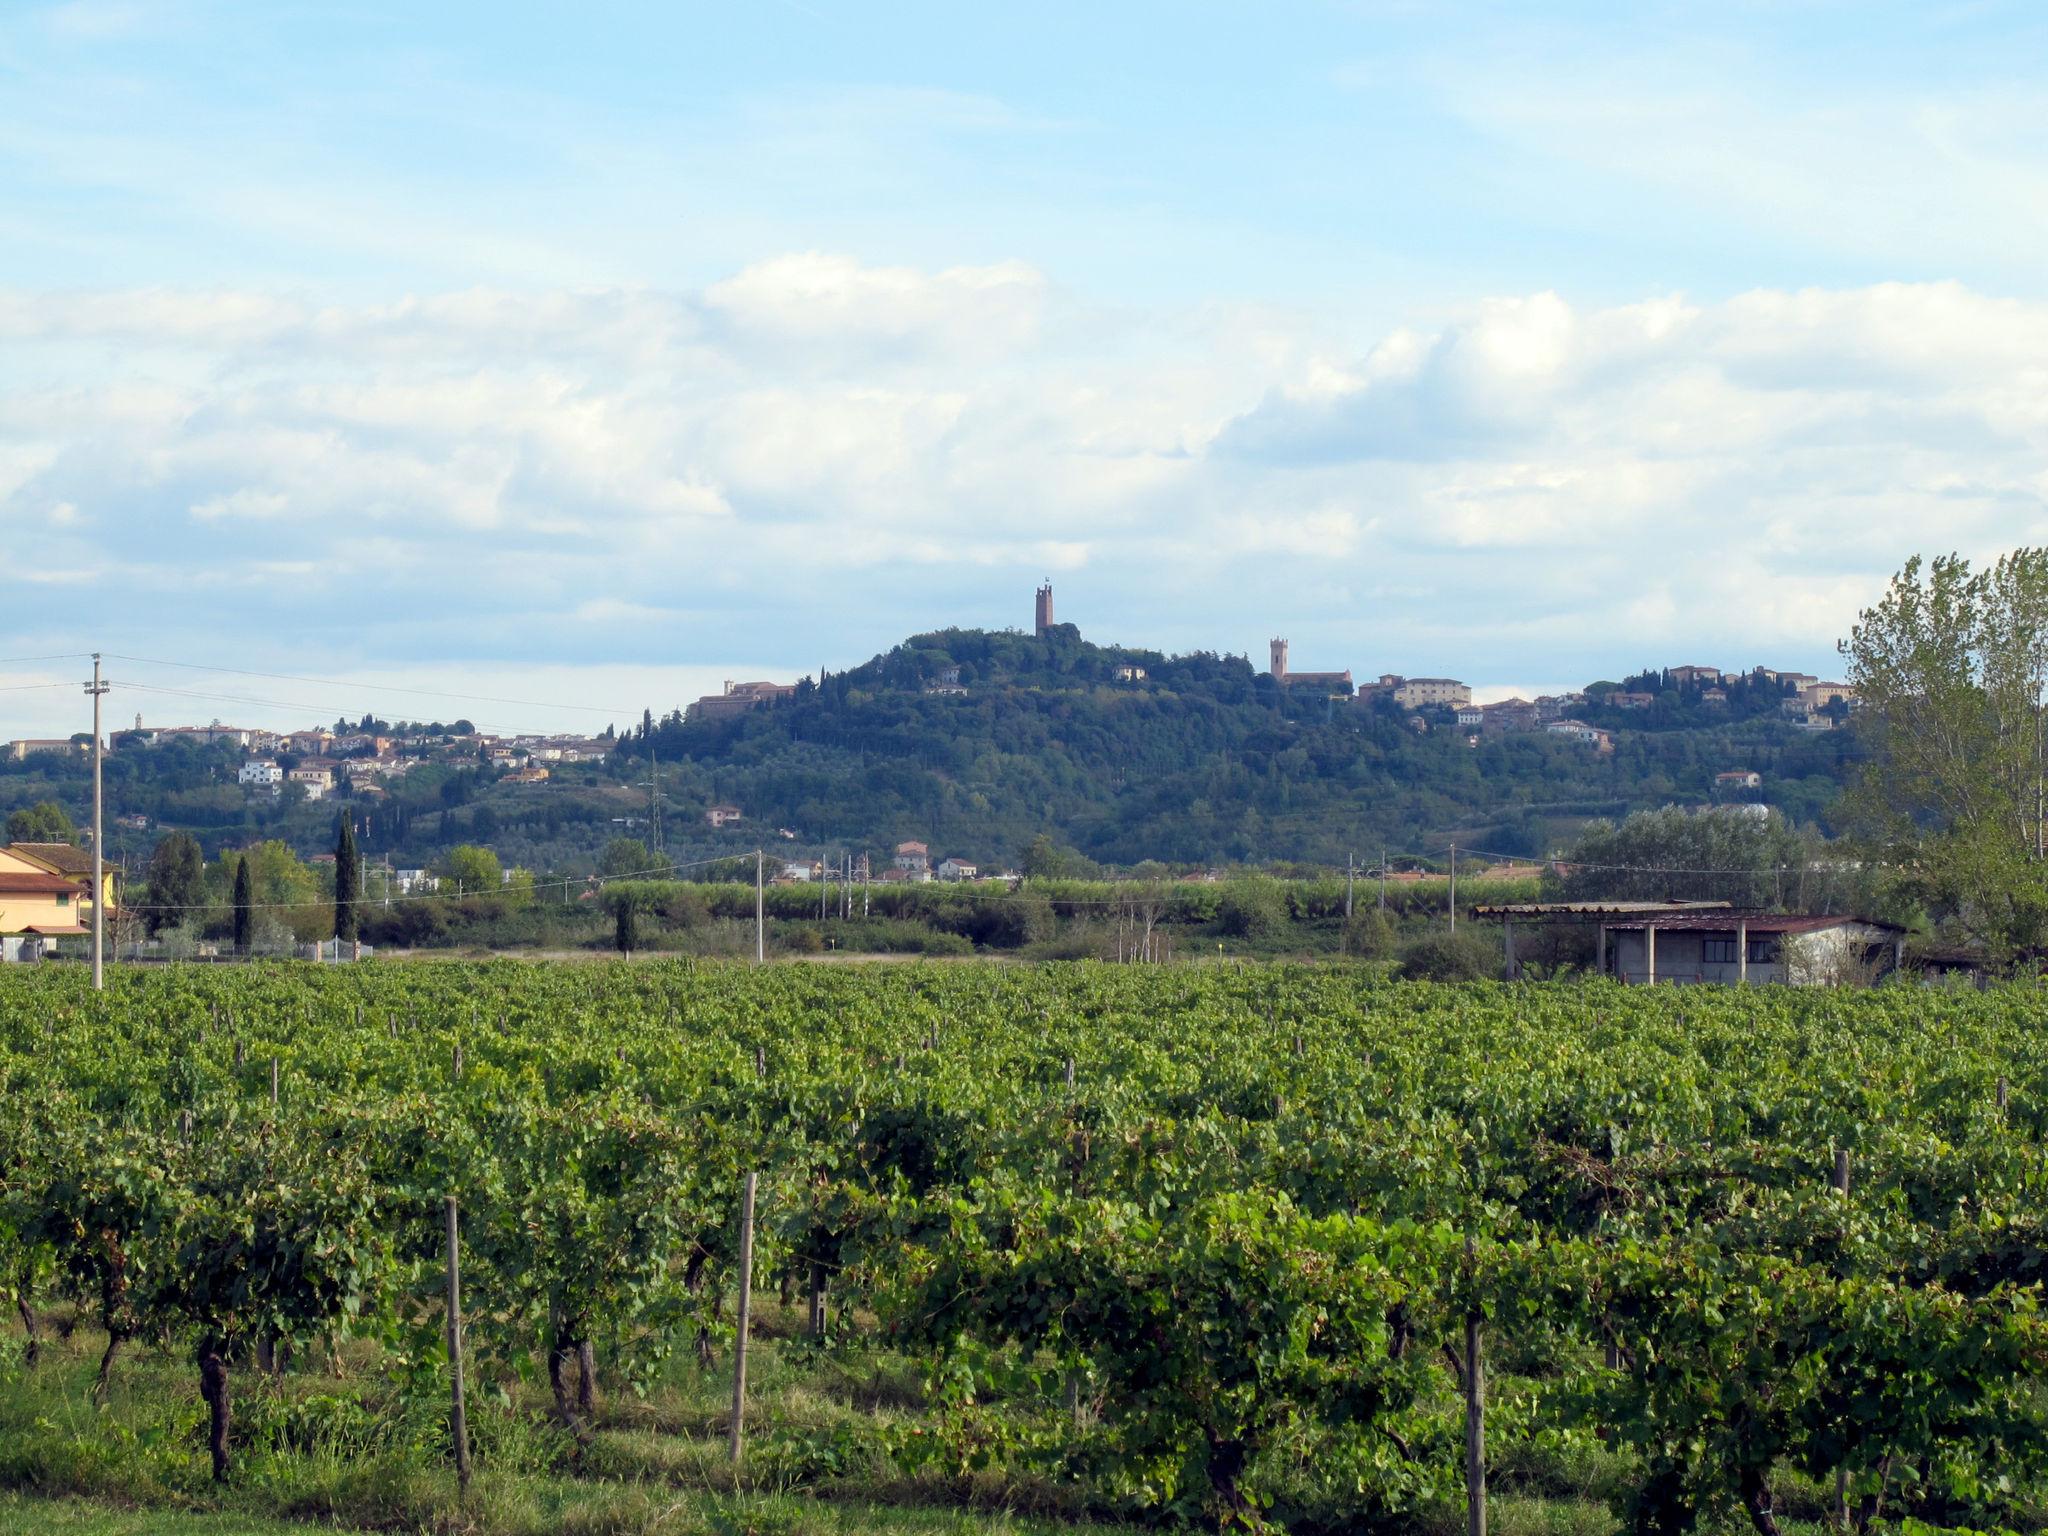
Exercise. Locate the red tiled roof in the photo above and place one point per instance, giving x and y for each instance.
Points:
(12, 884)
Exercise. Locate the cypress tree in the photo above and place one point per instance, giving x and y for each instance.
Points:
(245, 914)
(348, 881)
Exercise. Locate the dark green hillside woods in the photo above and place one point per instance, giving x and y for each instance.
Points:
(1202, 759)
(1202, 1247)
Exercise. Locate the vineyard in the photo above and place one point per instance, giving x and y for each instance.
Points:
(1212, 1246)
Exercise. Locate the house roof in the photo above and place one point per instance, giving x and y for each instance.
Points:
(61, 857)
(12, 884)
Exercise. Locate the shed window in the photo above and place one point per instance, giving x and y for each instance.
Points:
(1717, 951)
(1763, 951)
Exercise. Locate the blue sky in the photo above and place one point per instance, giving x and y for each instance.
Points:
(592, 354)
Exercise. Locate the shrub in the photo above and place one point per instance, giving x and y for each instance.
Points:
(1252, 909)
(1368, 935)
(1445, 956)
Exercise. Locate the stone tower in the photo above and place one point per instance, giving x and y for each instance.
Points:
(1277, 649)
(1043, 614)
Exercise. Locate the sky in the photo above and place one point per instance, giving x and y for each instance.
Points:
(543, 364)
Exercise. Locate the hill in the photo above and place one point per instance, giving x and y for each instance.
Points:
(976, 741)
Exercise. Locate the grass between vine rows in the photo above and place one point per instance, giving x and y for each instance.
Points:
(317, 1449)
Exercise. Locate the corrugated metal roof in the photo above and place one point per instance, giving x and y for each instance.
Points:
(1595, 908)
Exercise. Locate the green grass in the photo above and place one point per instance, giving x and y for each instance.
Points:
(314, 1449)
(26, 1515)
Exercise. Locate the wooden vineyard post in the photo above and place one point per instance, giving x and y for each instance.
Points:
(746, 1312)
(2004, 1095)
(458, 1422)
(1475, 1408)
(273, 1082)
(1841, 1187)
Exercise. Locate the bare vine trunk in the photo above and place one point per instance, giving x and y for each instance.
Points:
(33, 1350)
(1756, 1498)
(213, 1386)
(104, 1380)
(1226, 1468)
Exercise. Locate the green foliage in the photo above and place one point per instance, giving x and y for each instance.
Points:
(1951, 667)
(1718, 854)
(1441, 955)
(1239, 1227)
(244, 902)
(177, 883)
(44, 822)
(348, 881)
(473, 871)
(625, 856)
(1252, 909)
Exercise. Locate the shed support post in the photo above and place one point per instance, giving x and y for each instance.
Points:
(1650, 951)
(1742, 954)
(1600, 955)
(1507, 943)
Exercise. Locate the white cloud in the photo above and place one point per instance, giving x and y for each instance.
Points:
(816, 457)
(818, 298)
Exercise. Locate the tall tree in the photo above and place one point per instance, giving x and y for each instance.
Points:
(1951, 674)
(245, 914)
(348, 880)
(177, 882)
(625, 856)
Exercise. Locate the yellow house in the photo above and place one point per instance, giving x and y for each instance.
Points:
(46, 888)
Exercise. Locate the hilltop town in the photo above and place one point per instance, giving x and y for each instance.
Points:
(945, 755)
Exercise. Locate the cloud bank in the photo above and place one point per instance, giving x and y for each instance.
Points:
(811, 457)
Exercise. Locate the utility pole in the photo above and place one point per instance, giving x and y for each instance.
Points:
(99, 838)
(1383, 882)
(1454, 887)
(1350, 877)
(760, 908)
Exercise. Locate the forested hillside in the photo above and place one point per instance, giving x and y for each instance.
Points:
(1203, 759)
(977, 742)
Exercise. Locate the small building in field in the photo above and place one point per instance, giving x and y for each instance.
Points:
(721, 815)
(1739, 778)
(914, 859)
(1791, 949)
(957, 869)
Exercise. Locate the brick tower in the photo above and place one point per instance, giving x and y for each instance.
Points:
(1043, 613)
(1277, 649)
